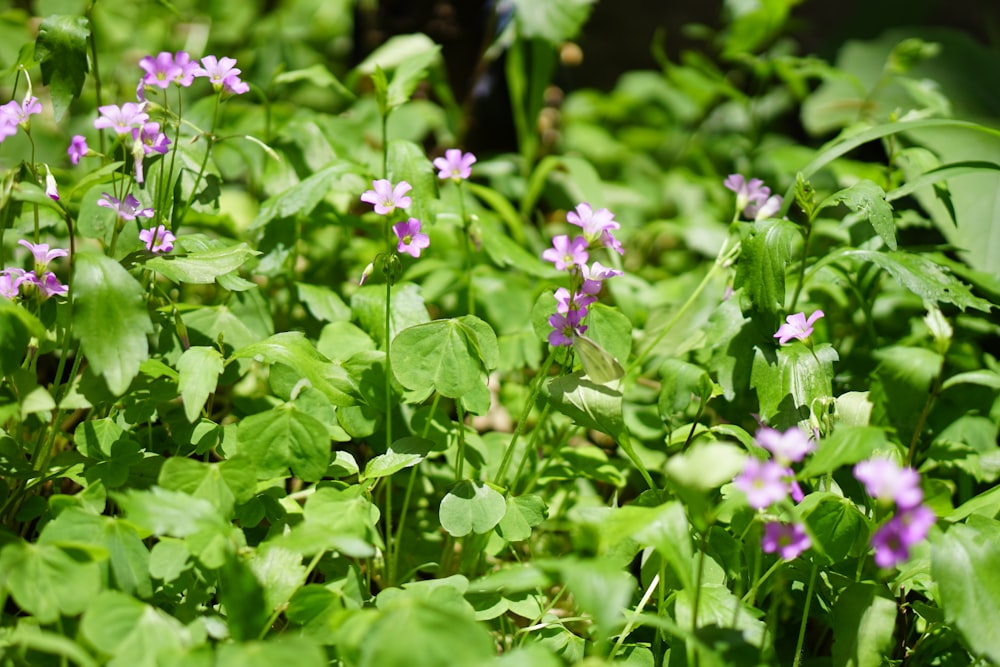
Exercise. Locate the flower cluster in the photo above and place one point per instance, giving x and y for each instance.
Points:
(167, 68)
(14, 114)
(753, 198)
(797, 326)
(766, 482)
(386, 198)
(16, 282)
(573, 256)
(890, 484)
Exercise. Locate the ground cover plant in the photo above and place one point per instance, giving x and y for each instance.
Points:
(702, 371)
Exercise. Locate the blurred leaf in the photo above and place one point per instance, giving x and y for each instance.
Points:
(324, 304)
(199, 369)
(318, 75)
(555, 21)
(864, 618)
(133, 632)
(301, 198)
(299, 651)
(471, 507)
(110, 319)
(47, 581)
(61, 49)
(847, 445)
(969, 587)
(404, 453)
(600, 589)
(837, 527)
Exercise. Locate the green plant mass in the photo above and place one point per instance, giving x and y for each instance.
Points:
(543, 333)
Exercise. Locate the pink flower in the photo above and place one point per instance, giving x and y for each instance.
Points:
(594, 276)
(126, 210)
(565, 327)
(77, 148)
(122, 118)
(10, 279)
(566, 302)
(386, 198)
(42, 254)
(565, 253)
(787, 539)
(223, 74)
(411, 241)
(455, 165)
(593, 223)
(765, 209)
(763, 482)
(158, 240)
(788, 447)
(48, 285)
(51, 187)
(885, 480)
(19, 114)
(797, 326)
(892, 541)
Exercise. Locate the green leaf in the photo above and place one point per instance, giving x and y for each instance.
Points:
(706, 465)
(408, 162)
(223, 484)
(451, 357)
(324, 304)
(680, 383)
(554, 21)
(919, 274)
(297, 651)
(404, 453)
(868, 200)
(48, 581)
(837, 527)
(408, 309)
(790, 381)
(292, 349)
(591, 405)
(763, 261)
(133, 632)
(600, 588)
(202, 268)
(963, 565)
(471, 507)
(199, 369)
(523, 513)
(410, 73)
(284, 438)
(61, 49)
(301, 198)
(17, 326)
(318, 75)
(846, 446)
(110, 319)
(718, 606)
(864, 618)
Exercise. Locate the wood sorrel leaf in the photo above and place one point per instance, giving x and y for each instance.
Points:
(130, 630)
(592, 405)
(451, 357)
(199, 368)
(404, 453)
(203, 267)
(471, 507)
(110, 319)
(46, 580)
(864, 618)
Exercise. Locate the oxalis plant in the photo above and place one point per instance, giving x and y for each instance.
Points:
(291, 375)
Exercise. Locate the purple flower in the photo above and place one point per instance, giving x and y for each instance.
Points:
(411, 241)
(122, 118)
(787, 539)
(223, 74)
(51, 188)
(788, 447)
(158, 240)
(893, 540)
(48, 285)
(7, 128)
(763, 482)
(161, 71)
(593, 223)
(152, 140)
(78, 148)
(797, 326)
(455, 165)
(594, 275)
(765, 209)
(565, 253)
(19, 114)
(42, 254)
(565, 327)
(126, 210)
(885, 480)
(10, 279)
(753, 192)
(386, 198)
(577, 302)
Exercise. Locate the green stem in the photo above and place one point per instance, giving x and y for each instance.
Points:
(467, 244)
(805, 617)
(460, 456)
(92, 42)
(626, 444)
(529, 404)
(531, 446)
(802, 267)
(922, 419)
(210, 138)
(653, 585)
(751, 596)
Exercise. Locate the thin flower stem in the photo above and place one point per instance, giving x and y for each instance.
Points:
(92, 42)
(751, 596)
(805, 617)
(467, 244)
(531, 446)
(653, 585)
(460, 456)
(210, 138)
(802, 267)
(529, 404)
